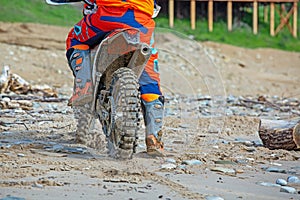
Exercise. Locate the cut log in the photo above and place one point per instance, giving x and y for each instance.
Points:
(280, 134)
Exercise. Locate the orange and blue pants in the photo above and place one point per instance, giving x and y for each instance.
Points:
(94, 27)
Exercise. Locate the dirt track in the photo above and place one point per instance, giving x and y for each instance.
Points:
(39, 159)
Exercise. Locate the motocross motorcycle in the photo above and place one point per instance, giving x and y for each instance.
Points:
(117, 63)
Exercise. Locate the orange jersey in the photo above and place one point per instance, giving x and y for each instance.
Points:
(145, 6)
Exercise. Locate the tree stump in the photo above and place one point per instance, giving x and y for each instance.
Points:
(280, 134)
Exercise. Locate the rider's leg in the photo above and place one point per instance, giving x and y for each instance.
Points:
(152, 105)
(79, 62)
(110, 18)
(153, 117)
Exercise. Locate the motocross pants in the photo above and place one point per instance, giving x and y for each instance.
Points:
(94, 27)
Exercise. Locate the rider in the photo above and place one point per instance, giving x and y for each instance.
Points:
(101, 17)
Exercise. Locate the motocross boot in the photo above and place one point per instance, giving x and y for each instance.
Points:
(153, 117)
(79, 62)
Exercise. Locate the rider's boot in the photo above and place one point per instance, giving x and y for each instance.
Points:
(79, 62)
(153, 117)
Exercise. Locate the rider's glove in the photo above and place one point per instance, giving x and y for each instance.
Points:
(156, 10)
(89, 9)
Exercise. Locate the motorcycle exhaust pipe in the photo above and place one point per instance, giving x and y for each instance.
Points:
(145, 49)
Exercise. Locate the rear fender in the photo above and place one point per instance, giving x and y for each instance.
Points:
(121, 48)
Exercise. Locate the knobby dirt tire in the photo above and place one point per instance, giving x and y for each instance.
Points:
(85, 122)
(125, 110)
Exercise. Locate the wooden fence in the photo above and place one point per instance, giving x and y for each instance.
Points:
(272, 5)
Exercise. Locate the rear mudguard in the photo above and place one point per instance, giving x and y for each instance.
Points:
(122, 45)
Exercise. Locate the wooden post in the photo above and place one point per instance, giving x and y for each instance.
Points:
(193, 14)
(210, 15)
(272, 18)
(255, 17)
(284, 19)
(266, 13)
(229, 15)
(295, 19)
(171, 13)
(280, 134)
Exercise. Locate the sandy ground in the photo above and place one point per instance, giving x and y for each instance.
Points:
(39, 159)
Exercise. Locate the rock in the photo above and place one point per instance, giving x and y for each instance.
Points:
(275, 169)
(293, 179)
(142, 146)
(6, 99)
(55, 148)
(213, 198)
(248, 143)
(4, 79)
(183, 167)
(12, 198)
(243, 141)
(267, 184)
(239, 171)
(258, 143)
(171, 160)
(168, 166)
(223, 170)
(276, 164)
(281, 182)
(37, 185)
(267, 109)
(169, 149)
(241, 64)
(288, 189)
(250, 149)
(184, 126)
(258, 56)
(225, 162)
(258, 107)
(192, 162)
(242, 161)
(231, 98)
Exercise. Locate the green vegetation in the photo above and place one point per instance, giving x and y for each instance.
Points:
(241, 35)
(37, 11)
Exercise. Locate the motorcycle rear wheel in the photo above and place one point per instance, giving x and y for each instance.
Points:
(124, 114)
(84, 130)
